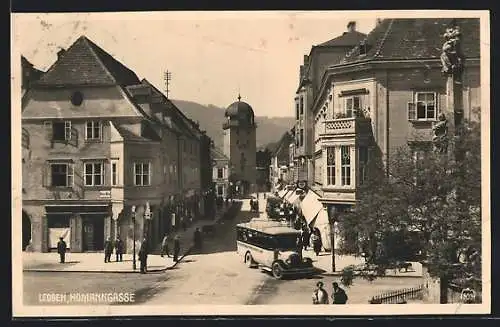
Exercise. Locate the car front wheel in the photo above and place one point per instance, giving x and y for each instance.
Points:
(277, 270)
(249, 260)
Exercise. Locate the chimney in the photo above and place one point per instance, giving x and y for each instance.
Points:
(351, 26)
(60, 53)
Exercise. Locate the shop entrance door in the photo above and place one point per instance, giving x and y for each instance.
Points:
(93, 234)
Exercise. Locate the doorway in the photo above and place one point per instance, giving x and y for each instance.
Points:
(93, 233)
(26, 230)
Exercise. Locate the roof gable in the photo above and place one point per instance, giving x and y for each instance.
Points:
(217, 154)
(348, 39)
(85, 63)
(416, 38)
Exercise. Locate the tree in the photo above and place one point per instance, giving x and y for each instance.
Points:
(408, 210)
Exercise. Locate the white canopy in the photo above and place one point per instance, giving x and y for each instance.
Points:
(292, 197)
(311, 206)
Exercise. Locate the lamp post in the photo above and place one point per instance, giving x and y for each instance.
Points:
(133, 223)
(147, 216)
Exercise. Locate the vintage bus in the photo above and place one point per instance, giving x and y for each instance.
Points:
(271, 246)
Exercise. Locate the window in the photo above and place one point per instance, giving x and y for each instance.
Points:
(330, 165)
(297, 110)
(220, 190)
(94, 173)
(352, 106)
(142, 173)
(363, 160)
(301, 105)
(424, 107)
(61, 174)
(114, 173)
(220, 173)
(61, 130)
(301, 137)
(93, 130)
(345, 165)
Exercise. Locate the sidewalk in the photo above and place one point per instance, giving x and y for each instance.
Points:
(324, 262)
(94, 262)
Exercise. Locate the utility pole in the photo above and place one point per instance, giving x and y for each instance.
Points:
(167, 77)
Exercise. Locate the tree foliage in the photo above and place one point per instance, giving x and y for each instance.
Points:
(420, 206)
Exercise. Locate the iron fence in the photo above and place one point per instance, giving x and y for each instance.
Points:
(398, 296)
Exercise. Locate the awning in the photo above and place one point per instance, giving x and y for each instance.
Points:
(282, 192)
(293, 197)
(321, 218)
(287, 194)
(311, 206)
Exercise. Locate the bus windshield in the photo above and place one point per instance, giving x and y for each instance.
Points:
(285, 242)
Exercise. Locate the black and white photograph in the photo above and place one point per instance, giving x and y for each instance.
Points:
(237, 162)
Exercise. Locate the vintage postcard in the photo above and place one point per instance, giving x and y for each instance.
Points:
(279, 163)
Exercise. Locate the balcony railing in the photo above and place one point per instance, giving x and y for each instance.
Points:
(346, 126)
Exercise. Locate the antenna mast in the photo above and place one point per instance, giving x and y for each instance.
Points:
(167, 77)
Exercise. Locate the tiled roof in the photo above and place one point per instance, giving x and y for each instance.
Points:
(217, 154)
(85, 63)
(148, 133)
(419, 38)
(348, 39)
(171, 110)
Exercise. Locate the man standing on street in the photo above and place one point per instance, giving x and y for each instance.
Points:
(143, 256)
(320, 296)
(61, 249)
(197, 239)
(338, 294)
(177, 247)
(108, 250)
(119, 249)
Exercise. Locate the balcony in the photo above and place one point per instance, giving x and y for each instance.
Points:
(342, 127)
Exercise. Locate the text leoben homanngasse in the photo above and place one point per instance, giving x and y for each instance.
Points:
(85, 298)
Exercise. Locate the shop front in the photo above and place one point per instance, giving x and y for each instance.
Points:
(83, 227)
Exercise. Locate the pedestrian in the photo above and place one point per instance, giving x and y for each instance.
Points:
(305, 237)
(299, 246)
(61, 249)
(108, 249)
(197, 239)
(339, 296)
(320, 296)
(177, 248)
(316, 243)
(119, 249)
(164, 246)
(143, 256)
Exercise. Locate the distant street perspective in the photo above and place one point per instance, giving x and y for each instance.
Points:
(365, 190)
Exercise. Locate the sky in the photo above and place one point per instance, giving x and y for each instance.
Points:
(211, 55)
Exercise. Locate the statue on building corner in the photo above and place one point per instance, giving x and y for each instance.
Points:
(452, 57)
(440, 137)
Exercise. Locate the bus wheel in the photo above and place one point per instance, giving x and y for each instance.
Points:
(248, 259)
(277, 271)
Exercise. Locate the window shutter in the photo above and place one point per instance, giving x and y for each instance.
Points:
(412, 113)
(48, 130)
(46, 175)
(67, 130)
(73, 140)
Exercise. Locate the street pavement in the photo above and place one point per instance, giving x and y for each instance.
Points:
(214, 275)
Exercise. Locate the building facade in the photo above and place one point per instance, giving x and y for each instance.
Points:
(263, 161)
(279, 170)
(220, 173)
(311, 72)
(240, 146)
(108, 155)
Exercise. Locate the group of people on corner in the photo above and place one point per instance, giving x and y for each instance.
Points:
(309, 238)
(320, 295)
(117, 245)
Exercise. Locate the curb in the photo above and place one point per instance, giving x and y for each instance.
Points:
(111, 271)
(339, 274)
(118, 271)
